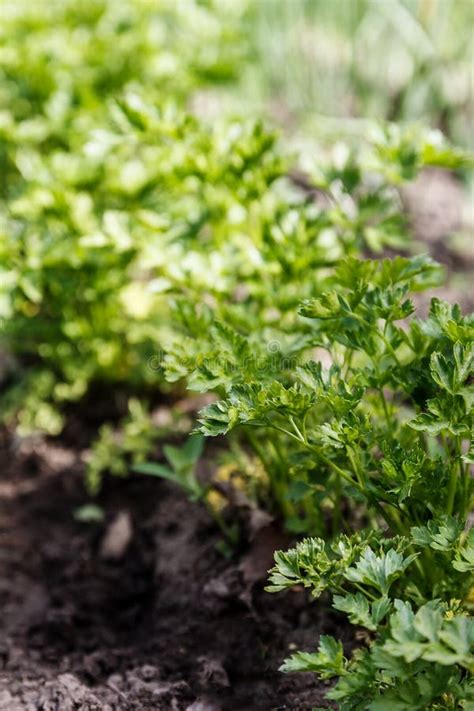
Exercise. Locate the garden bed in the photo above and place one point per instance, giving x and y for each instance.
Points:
(230, 363)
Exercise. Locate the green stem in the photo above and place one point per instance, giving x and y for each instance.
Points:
(345, 475)
(391, 519)
(274, 483)
(299, 439)
(454, 478)
(336, 518)
(382, 335)
(466, 490)
(427, 566)
(357, 469)
(228, 531)
(365, 592)
(390, 349)
(385, 409)
(297, 430)
(346, 366)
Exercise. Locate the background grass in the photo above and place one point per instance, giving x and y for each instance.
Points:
(361, 59)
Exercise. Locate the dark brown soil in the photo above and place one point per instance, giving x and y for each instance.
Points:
(141, 611)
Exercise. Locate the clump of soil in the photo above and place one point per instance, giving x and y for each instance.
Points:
(140, 611)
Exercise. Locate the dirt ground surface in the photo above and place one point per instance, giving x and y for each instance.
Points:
(441, 214)
(141, 611)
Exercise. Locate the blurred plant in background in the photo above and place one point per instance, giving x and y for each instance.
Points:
(397, 60)
(126, 178)
(88, 213)
(302, 59)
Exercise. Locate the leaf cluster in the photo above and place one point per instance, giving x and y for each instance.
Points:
(383, 427)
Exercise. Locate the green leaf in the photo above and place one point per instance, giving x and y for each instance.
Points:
(314, 563)
(458, 635)
(217, 418)
(427, 622)
(156, 469)
(451, 374)
(464, 559)
(328, 661)
(327, 306)
(360, 611)
(442, 372)
(430, 636)
(182, 458)
(183, 461)
(379, 571)
(440, 534)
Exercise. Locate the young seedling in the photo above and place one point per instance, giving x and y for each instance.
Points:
(181, 470)
(181, 467)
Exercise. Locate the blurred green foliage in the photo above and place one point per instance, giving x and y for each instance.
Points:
(121, 187)
(89, 212)
(400, 60)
